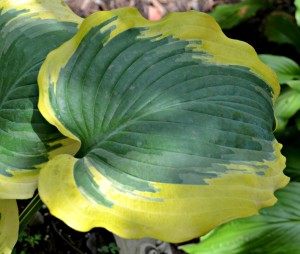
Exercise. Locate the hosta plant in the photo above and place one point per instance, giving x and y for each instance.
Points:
(166, 127)
(29, 30)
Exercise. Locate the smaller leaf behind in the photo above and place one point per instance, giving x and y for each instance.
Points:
(287, 105)
(276, 230)
(286, 69)
(230, 15)
(281, 27)
(288, 72)
(297, 13)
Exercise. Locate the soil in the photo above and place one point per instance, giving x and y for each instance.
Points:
(53, 235)
(45, 234)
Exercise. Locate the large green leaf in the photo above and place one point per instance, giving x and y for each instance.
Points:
(175, 122)
(28, 31)
(9, 224)
(230, 15)
(281, 27)
(275, 231)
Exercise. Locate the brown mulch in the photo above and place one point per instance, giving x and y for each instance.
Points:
(151, 9)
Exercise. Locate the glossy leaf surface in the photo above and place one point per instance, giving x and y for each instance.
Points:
(175, 122)
(28, 31)
(275, 230)
(9, 224)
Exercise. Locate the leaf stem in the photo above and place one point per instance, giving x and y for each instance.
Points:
(26, 215)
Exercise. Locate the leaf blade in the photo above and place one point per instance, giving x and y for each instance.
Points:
(152, 117)
(25, 135)
(9, 224)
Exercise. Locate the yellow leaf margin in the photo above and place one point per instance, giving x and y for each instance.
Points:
(9, 225)
(174, 213)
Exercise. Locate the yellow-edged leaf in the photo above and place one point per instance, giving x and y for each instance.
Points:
(29, 30)
(175, 122)
(9, 225)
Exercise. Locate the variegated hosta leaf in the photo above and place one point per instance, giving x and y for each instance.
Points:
(29, 29)
(9, 225)
(175, 122)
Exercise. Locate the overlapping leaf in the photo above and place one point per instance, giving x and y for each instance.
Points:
(9, 224)
(275, 230)
(28, 31)
(175, 122)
